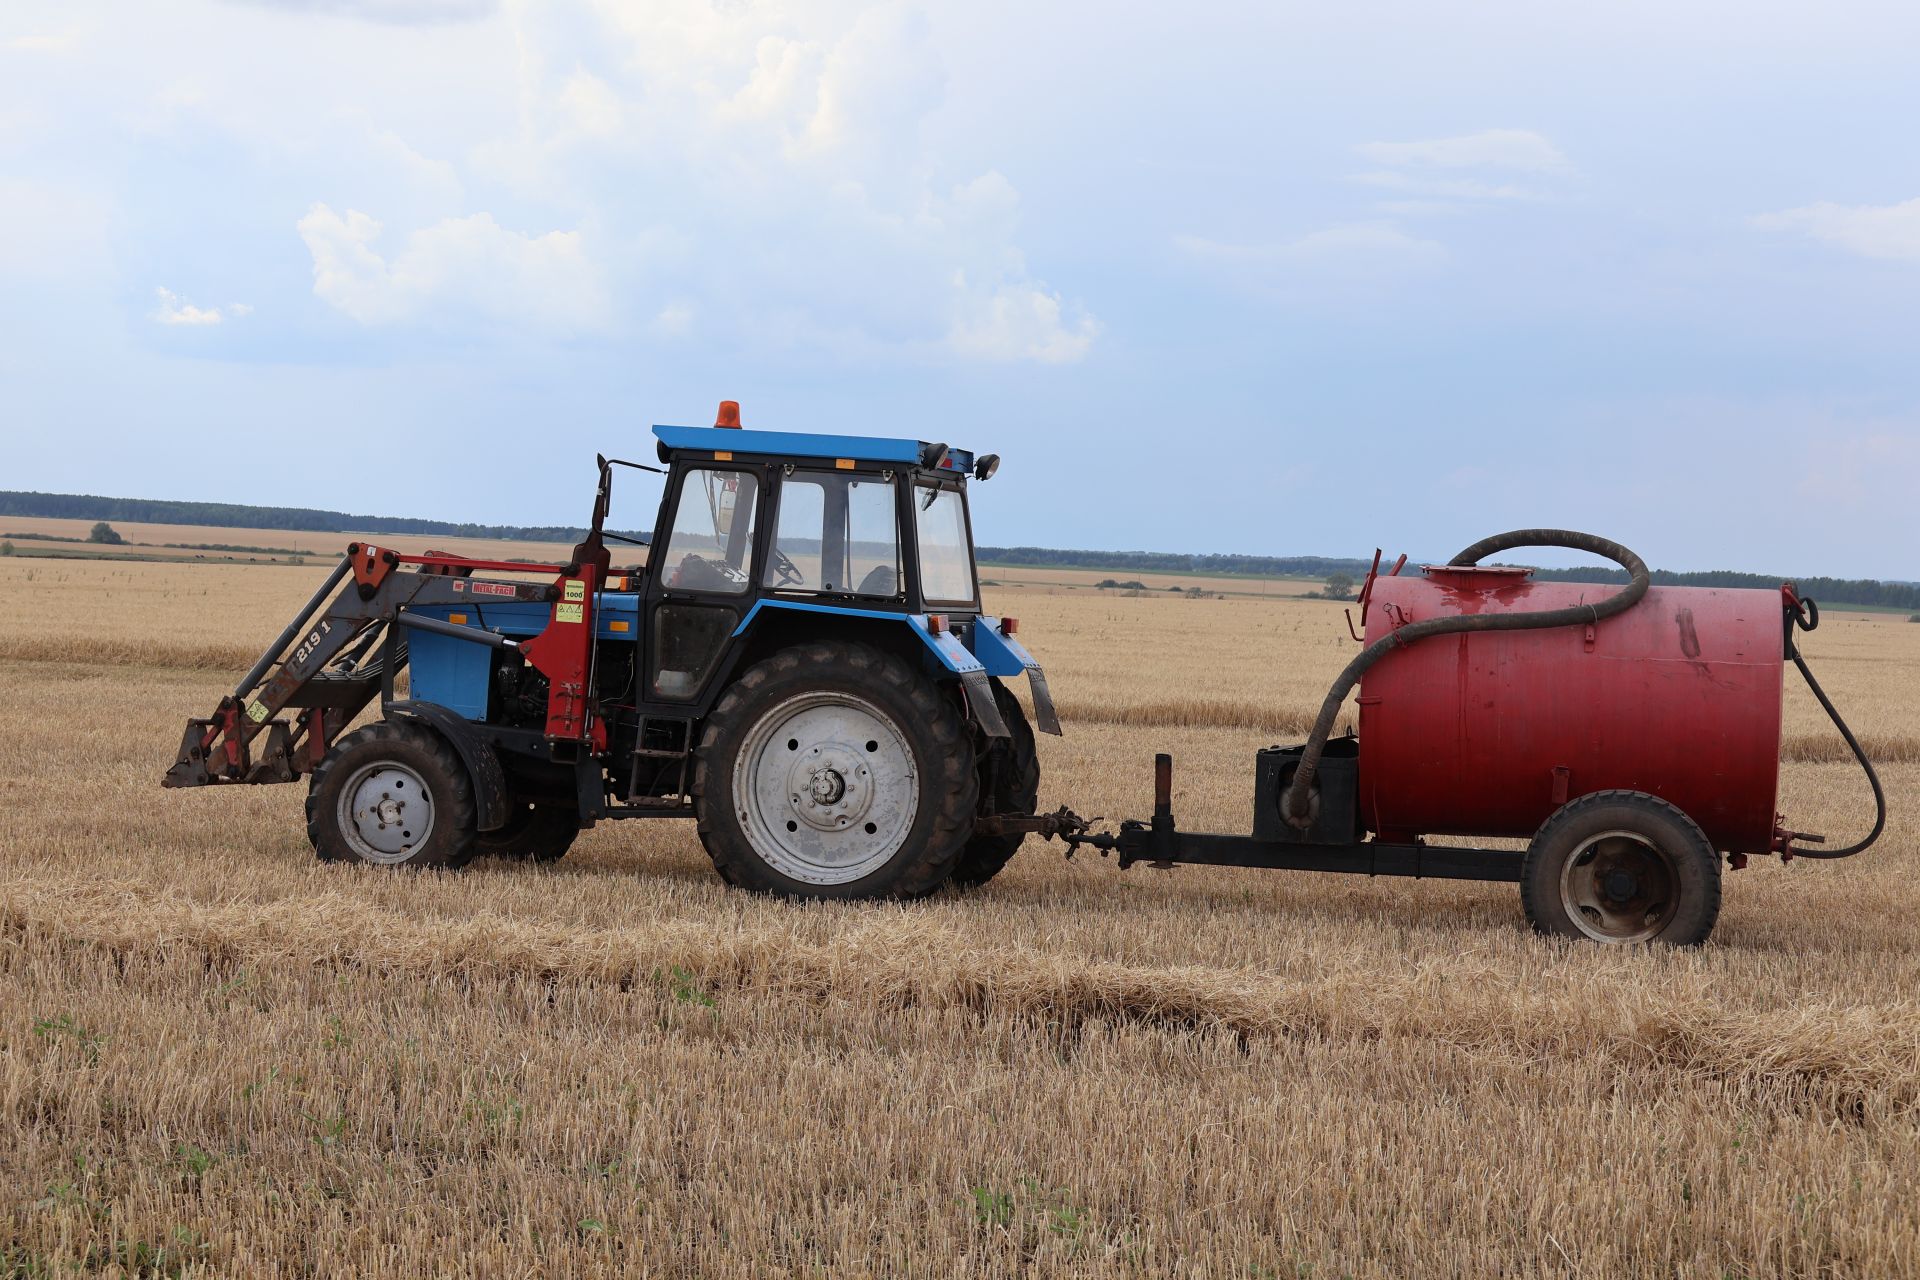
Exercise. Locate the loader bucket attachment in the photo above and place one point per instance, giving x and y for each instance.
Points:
(202, 762)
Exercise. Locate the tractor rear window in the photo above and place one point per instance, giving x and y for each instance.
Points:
(711, 545)
(836, 533)
(946, 558)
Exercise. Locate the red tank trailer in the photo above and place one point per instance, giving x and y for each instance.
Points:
(1488, 733)
(1631, 734)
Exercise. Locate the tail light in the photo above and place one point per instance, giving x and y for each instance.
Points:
(1009, 626)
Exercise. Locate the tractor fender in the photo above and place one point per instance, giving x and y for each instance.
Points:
(944, 646)
(483, 766)
(1002, 655)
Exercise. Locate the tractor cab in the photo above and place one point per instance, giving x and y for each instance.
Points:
(845, 529)
(875, 522)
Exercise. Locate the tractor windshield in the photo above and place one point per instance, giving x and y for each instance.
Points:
(946, 552)
(711, 540)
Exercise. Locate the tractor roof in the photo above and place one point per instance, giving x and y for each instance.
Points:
(800, 444)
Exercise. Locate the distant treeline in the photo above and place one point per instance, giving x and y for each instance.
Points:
(1174, 562)
(230, 515)
(1868, 591)
(1893, 595)
(226, 515)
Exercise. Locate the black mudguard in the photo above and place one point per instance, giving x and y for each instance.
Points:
(483, 766)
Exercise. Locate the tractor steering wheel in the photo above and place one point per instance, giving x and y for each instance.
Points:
(787, 572)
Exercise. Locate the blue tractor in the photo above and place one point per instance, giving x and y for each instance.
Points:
(799, 661)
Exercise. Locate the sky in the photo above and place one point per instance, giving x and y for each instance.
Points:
(1239, 277)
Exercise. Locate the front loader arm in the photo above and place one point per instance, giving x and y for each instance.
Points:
(329, 662)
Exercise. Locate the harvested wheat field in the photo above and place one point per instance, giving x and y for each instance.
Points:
(220, 1057)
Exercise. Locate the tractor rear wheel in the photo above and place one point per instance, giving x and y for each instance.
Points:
(833, 770)
(1620, 867)
(1013, 764)
(535, 832)
(392, 795)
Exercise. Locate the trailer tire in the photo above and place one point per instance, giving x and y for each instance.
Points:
(1016, 791)
(1621, 867)
(834, 770)
(533, 832)
(362, 805)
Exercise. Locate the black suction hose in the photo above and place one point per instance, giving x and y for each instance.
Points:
(1297, 805)
(1806, 617)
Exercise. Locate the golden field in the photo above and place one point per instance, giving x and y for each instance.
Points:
(218, 1056)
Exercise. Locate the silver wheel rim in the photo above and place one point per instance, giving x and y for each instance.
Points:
(1619, 886)
(826, 788)
(386, 812)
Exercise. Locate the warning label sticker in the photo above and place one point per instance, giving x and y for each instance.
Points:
(576, 590)
(567, 612)
(256, 711)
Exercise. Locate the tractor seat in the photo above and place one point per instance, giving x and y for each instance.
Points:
(880, 581)
(675, 684)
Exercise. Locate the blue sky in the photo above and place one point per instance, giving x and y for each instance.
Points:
(1233, 277)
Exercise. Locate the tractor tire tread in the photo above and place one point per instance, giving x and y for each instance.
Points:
(534, 833)
(986, 856)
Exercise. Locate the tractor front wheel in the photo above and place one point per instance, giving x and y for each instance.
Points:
(833, 770)
(392, 795)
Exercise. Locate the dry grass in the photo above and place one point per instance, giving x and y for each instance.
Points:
(217, 1055)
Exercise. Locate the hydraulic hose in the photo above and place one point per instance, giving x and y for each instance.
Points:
(1806, 617)
(1297, 805)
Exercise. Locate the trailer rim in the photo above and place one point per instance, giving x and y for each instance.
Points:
(1620, 887)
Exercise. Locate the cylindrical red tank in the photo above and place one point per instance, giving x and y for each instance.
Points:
(1488, 733)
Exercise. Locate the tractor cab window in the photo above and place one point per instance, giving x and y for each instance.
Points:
(710, 547)
(838, 533)
(946, 553)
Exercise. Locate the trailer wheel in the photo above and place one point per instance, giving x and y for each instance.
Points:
(1016, 790)
(535, 832)
(834, 770)
(1621, 867)
(392, 795)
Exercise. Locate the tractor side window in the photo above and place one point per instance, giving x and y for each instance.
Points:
(946, 559)
(711, 545)
(836, 533)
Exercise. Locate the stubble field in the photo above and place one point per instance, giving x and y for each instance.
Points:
(218, 1056)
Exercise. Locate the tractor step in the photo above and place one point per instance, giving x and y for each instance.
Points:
(680, 727)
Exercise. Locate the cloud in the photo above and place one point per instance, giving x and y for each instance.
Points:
(786, 146)
(47, 42)
(458, 266)
(53, 232)
(1361, 248)
(395, 12)
(1445, 189)
(1520, 150)
(1890, 231)
(675, 320)
(1872, 467)
(1452, 175)
(175, 310)
(1018, 321)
